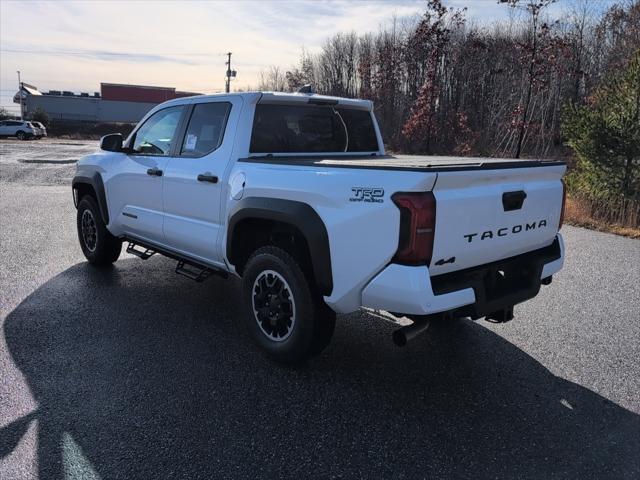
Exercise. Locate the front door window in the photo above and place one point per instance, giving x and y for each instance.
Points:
(155, 136)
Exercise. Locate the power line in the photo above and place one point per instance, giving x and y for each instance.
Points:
(35, 81)
(107, 53)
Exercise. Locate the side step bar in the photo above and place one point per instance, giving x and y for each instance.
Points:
(143, 254)
(193, 272)
(187, 267)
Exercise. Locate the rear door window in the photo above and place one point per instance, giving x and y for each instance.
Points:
(312, 129)
(205, 130)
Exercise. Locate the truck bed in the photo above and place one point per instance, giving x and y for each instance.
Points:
(402, 162)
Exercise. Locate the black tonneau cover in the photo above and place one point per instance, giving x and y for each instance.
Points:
(402, 162)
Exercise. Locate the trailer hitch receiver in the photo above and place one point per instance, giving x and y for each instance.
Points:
(501, 316)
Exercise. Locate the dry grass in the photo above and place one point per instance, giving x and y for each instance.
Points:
(621, 217)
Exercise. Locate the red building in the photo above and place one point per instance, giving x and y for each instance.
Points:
(140, 93)
(116, 102)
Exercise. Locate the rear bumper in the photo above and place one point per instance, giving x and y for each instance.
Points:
(473, 292)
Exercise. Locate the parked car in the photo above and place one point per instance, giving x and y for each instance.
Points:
(41, 130)
(17, 128)
(294, 194)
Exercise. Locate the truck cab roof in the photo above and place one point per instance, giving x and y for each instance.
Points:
(278, 98)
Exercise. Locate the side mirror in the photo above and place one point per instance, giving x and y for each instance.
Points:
(111, 143)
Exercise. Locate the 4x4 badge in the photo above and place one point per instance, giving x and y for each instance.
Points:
(442, 261)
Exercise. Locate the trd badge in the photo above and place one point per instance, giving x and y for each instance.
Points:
(367, 194)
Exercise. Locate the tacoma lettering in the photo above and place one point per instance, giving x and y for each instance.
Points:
(504, 231)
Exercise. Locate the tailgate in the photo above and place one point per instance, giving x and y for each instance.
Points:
(488, 215)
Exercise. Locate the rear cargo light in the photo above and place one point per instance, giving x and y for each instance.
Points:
(417, 227)
(564, 201)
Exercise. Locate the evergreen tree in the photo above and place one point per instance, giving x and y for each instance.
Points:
(605, 134)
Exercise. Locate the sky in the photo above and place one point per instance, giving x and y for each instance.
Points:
(75, 45)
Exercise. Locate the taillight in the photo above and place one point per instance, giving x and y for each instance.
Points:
(564, 201)
(417, 227)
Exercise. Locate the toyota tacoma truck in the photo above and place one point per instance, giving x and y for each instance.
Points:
(294, 194)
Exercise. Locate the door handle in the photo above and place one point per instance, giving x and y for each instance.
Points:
(205, 177)
(154, 172)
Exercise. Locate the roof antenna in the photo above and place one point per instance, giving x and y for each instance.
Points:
(306, 89)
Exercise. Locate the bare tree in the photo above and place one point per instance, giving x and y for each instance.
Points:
(273, 79)
(442, 84)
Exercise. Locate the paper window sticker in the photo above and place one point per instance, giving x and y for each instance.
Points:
(190, 144)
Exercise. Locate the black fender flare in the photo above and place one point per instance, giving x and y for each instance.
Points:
(95, 182)
(297, 214)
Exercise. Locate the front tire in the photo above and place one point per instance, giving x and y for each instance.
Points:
(21, 135)
(98, 245)
(283, 316)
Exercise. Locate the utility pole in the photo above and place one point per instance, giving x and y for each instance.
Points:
(228, 64)
(230, 73)
(20, 94)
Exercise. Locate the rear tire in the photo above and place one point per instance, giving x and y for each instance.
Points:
(98, 245)
(284, 317)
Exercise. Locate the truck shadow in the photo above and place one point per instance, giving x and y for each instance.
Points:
(139, 374)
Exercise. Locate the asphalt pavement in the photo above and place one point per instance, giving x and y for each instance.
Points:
(41, 162)
(134, 372)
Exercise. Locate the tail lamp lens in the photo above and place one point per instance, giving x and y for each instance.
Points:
(564, 201)
(417, 227)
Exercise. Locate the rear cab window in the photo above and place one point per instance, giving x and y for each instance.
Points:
(312, 129)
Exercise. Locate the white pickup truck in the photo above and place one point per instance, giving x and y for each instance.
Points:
(295, 194)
